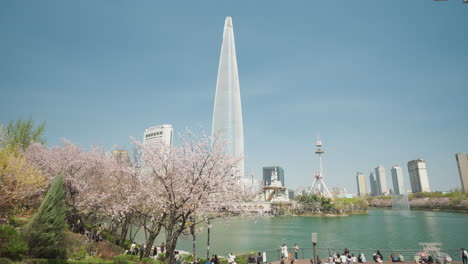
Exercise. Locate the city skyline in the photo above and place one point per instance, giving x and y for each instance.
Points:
(336, 70)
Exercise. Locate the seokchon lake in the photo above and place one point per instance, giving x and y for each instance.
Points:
(381, 229)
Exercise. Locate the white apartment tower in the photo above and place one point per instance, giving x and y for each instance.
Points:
(397, 178)
(361, 184)
(163, 133)
(462, 162)
(418, 176)
(381, 179)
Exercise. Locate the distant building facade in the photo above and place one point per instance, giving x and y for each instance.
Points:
(121, 156)
(397, 179)
(361, 184)
(417, 172)
(462, 162)
(381, 179)
(373, 184)
(267, 172)
(163, 133)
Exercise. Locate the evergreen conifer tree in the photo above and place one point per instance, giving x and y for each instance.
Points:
(46, 231)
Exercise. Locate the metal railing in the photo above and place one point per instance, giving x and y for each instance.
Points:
(323, 253)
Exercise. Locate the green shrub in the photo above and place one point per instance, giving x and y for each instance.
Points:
(126, 244)
(150, 261)
(107, 236)
(18, 221)
(90, 260)
(126, 259)
(36, 261)
(57, 261)
(5, 261)
(12, 245)
(80, 255)
(162, 257)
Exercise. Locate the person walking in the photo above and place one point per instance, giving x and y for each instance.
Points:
(464, 256)
(296, 251)
(259, 258)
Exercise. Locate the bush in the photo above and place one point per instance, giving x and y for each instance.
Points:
(80, 255)
(36, 261)
(18, 221)
(150, 261)
(90, 260)
(5, 261)
(162, 257)
(12, 245)
(126, 259)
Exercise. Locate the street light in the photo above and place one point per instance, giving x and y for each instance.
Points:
(208, 241)
(314, 243)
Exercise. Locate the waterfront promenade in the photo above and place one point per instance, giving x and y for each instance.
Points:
(324, 261)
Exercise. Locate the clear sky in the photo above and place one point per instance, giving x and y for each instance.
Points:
(381, 82)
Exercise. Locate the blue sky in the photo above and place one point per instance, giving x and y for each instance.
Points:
(381, 82)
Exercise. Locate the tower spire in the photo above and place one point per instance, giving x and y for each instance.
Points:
(227, 114)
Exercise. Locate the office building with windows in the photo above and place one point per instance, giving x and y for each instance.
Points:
(462, 162)
(397, 179)
(381, 179)
(268, 171)
(361, 184)
(163, 133)
(419, 180)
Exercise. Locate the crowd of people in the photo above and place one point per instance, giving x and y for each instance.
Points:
(347, 258)
(286, 257)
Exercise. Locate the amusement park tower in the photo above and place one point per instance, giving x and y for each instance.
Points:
(318, 185)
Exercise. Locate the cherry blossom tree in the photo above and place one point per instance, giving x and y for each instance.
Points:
(195, 178)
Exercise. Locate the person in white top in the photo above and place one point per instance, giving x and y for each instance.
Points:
(284, 250)
(343, 258)
(231, 258)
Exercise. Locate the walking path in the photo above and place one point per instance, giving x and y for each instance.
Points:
(324, 261)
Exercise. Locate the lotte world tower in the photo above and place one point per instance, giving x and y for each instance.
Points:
(227, 114)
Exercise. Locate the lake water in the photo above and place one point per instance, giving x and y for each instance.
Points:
(381, 229)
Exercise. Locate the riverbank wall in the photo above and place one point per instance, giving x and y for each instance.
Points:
(427, 203)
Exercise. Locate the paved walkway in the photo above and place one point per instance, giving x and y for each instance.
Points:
(324, 261)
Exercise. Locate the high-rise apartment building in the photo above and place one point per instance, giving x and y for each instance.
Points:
(163, 133)
(417, 171)
(373, 184)
(398, 181)
(267, 172)
(462, 162)
(381, 178)
(361, 184)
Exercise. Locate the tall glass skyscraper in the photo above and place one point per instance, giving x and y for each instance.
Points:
(227, 114)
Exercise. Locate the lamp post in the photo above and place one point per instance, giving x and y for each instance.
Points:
(208, 240)
(314, 243)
